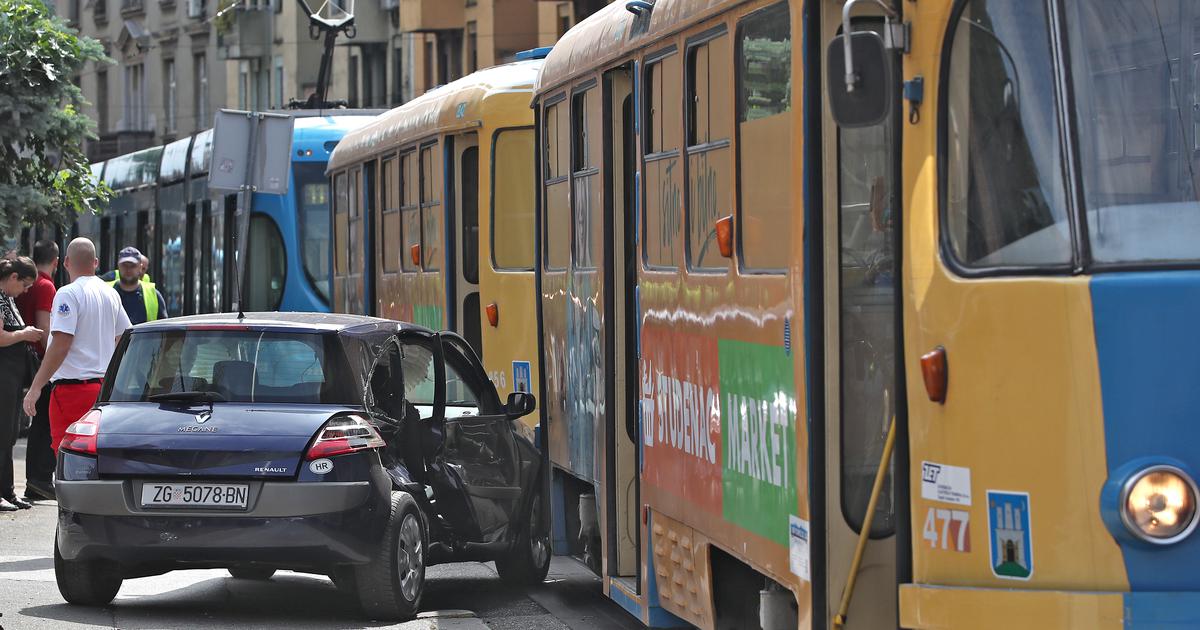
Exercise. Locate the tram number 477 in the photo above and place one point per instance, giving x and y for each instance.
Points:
(948, 529)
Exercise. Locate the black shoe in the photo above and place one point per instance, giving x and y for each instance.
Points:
(36, 490)
(20, 503)
(5, 506)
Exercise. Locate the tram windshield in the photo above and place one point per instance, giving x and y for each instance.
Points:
(1135, 66)
(1135, 88)
(312, 209)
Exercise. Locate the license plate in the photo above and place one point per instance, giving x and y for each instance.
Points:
(225, 495)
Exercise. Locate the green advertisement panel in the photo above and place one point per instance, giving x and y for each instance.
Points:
(758, 428)
(428, 316)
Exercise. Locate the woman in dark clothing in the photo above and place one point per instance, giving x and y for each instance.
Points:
(16, 275)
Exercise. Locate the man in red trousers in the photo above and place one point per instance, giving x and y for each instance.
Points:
(86, 321)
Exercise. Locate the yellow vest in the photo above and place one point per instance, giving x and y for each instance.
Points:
(149, 297)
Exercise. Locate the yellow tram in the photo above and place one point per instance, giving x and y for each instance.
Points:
(884, 330)
(433, 217)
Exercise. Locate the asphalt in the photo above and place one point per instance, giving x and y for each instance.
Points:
(467, 596)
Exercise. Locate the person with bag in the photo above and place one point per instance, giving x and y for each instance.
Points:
(35, 306)
(17, 367)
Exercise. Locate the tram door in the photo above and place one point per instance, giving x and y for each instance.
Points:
(860, 349)
(620, 301)
(465, 210)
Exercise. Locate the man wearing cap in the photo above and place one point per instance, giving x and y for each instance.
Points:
(141, 299)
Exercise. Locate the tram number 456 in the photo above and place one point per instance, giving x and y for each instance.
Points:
(948, 529)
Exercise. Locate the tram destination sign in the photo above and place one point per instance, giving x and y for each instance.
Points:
(251, 149)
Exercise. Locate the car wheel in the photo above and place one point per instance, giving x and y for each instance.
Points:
(251, 573)
(86, 582)
(391, 585)
(529, 560)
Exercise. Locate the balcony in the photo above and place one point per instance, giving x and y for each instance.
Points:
(430, 15)
(247, 36)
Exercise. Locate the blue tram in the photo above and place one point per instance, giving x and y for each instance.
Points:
(162, 205)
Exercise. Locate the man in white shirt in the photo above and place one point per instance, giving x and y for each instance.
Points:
(86, 323)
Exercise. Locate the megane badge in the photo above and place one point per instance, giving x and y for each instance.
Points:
(203, 417)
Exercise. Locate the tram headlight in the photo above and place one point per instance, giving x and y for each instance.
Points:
(1158, 504)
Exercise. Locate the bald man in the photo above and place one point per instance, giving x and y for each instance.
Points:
(86, 321)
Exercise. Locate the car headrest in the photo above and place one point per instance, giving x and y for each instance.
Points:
(233, 379)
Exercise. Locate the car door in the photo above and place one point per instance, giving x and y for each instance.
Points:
(479, 445)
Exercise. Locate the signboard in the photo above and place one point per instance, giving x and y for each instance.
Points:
(252, 148)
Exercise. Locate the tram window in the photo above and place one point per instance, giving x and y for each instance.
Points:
(171, 228)
(557, 229)
(764, 86)
(431, 217)
(1004, 197)
(664, 174)
(866, 315)
(354, 229)
(1138, 132)
(312, 207)
(266, 265)
(390, 242)
(410, 209)
(512, 200)
(587, 220)
(341, 198)
(709, 166)
(469, 201)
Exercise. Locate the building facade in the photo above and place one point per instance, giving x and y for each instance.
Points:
(178, 61)
(167, 80)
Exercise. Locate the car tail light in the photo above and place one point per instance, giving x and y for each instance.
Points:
(344, 434)
(81, 435)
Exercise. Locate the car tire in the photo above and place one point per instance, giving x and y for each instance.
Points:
(529, 560)
(251, 573)
(391, 585)
(86, 582)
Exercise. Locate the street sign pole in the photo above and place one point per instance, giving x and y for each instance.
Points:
(245, 205)
(251, 153)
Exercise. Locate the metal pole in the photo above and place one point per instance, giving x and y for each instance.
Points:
(242, 218)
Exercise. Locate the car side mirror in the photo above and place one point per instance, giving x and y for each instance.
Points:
(519, 404)
(859, 79)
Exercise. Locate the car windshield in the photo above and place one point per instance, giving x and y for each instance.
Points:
(233, 366)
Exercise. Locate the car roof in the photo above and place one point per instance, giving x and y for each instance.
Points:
(312, 322)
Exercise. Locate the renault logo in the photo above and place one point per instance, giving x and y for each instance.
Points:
(203, 417)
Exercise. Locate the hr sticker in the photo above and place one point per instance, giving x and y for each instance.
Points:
(321, 466)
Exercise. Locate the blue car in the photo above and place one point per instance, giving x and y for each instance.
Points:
(359, 448)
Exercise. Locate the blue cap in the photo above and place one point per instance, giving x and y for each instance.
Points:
(129, 254)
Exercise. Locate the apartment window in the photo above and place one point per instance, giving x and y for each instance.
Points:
(73, 12)
(472, 49)
(135, 97)
(100, 11)
(353, 76)
(564, 19)
(170, 92)
(102, 101)
(427, 73)
(200, 91)
(243, 88)
(279, 99)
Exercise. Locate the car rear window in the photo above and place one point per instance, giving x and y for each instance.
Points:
(235, 365)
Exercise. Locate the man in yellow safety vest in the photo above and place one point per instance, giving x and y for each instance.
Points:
(142, 300)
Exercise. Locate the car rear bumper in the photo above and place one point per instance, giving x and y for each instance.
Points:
(298, 526)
